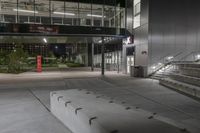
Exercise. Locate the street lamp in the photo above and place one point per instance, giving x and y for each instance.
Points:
(45, 40)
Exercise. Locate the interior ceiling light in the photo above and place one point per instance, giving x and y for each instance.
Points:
(62, 13)
(93, 15)
(27, 11)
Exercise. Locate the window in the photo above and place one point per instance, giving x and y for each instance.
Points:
(136, 10)
(109, 13)
(57, 12)
(97, 15)
(42, 11)
(122, 18)
(67, 21)
(10, 18)
(84, 11)
(8, 11)
(87, 13)
(57, 20)
(137, 21)
(25, 10)
(23, 19)
(71, 13)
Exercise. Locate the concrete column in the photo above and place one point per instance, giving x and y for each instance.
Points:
(124, 60)
(118, 59)
(92, 63)
(103, 57)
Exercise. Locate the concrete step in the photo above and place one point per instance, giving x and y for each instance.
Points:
(188, 89)
(86, 112)
(191, 65)
(190, 71)
(158, 76)
(186, 79)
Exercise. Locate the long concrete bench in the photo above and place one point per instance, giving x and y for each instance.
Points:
(84, 112)
(188, 89)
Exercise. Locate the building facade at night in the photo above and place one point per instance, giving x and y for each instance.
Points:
(72, 29)
(133, 30)
(167, 30)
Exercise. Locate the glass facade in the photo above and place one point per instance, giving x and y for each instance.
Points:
(63, 13)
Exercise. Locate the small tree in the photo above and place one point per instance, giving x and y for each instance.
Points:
(3, 57)
(17, 59)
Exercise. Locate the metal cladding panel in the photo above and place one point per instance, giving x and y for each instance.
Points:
(141, 36)
(129, 16)
(144, 12)
(173, 28)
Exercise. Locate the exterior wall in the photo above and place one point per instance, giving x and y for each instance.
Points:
(173, 29)
(168, 28)
(141, 37)
(129, 16)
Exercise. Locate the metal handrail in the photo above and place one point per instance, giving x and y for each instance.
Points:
(181, 60)
(165, 64)
(191, 53)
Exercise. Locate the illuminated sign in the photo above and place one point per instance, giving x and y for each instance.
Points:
(43, 29)
(128, 40)
(39, 63)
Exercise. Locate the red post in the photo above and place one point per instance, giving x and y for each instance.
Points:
(39, 63)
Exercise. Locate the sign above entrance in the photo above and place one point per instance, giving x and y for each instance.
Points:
(43, 29)
(128, 40)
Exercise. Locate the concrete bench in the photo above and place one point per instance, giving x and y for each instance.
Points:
(85, 112)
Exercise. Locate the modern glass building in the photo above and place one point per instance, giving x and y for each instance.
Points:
(70, 29)
(104, 13)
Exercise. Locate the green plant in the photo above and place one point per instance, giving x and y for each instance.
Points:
(3, 57)
(74, 65)
(17, 59)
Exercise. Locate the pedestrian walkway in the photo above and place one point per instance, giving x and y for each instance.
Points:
(25, 105)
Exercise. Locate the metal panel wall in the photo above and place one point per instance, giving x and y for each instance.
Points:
(129, 17)
(141, 36)
(173, 28)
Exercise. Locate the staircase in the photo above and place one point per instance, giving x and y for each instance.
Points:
(181, 76)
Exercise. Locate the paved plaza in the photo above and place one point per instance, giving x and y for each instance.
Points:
(25, 104)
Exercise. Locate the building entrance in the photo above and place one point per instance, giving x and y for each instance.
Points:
(18, 53)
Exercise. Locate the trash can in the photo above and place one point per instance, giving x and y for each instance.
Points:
(138, 71)
(142, 71)
(134, 71)
(108, 67)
